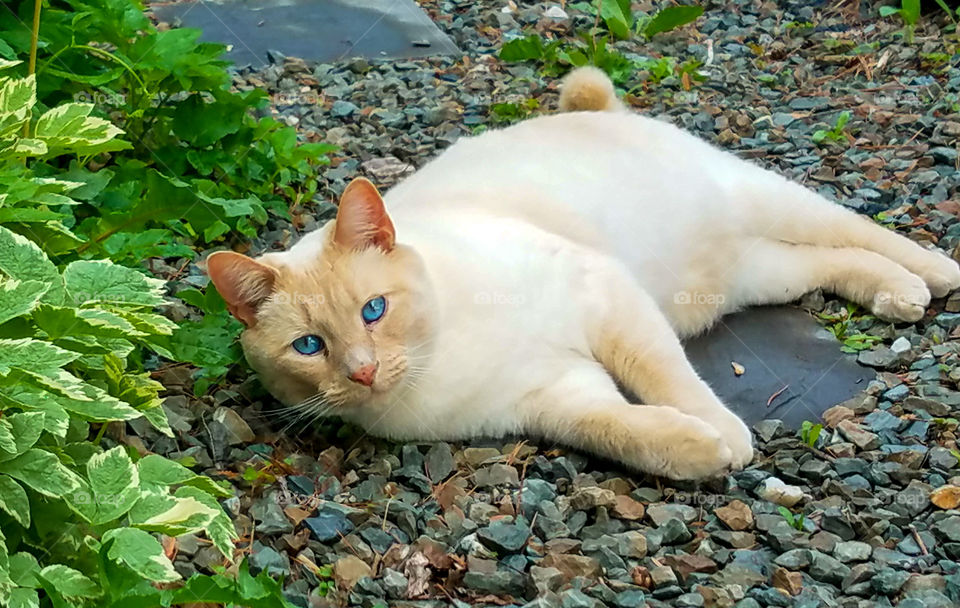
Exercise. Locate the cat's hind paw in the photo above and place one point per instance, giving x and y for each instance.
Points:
(940, 273)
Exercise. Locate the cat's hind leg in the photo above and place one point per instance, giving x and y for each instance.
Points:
(776, 272)
(780, 210)
(584, 409)
(634, 341)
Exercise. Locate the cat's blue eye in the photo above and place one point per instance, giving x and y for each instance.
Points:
(374, 309)
(308, 345)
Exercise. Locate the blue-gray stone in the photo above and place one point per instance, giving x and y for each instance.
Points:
(341, 108)
(328, 525)
(504, 537)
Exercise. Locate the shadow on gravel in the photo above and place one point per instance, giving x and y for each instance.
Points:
(778, 347)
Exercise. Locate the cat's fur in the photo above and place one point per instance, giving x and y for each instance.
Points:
(529, 270)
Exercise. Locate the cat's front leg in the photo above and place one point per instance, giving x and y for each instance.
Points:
(584, 409)
(634, 341)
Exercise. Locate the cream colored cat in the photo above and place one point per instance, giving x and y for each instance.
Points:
(524, 273)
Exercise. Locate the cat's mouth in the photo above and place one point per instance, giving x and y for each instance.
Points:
(388, 377)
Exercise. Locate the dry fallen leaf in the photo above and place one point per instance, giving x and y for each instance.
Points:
(738, 369)
(946, 497)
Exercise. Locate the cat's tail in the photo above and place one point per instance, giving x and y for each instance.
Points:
(588, 89)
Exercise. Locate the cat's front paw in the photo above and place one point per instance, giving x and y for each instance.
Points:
(739, 439)
(695, 451)
(904, 298)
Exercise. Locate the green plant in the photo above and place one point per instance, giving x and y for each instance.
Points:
(508, 113)
(200, 166)
(556, 56)
(796, 521)
(837, 133)
(209, 343)
(909, 12)
(76, 516)
(839, 325)
(951, 13)
(810, 433)
(669, 18)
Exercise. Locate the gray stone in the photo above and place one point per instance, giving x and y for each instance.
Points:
(395, 584)
(827, 569)
(496, 475)
(266, 558)
(439, 462)
(852, 551)
(270, 516)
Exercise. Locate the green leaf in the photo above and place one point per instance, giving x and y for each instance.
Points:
(671, 18)
(25, 428)
(21, 259)
(157, 416)
(173, 516)
(19, 298)
(115, 483)
(24, 598)
(617, 19)
(910, 11)
(42, 472)
(23, 570)
(7, 441)
(141, 552)
(32, 355)
(97, 405)
(13, 500)
(842, 121)
(220, 529)
(523, 49)
(69, 128)
(886, 11)
(101, 281)
(69, 582)
(161, 472)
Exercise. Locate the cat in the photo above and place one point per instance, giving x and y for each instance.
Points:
(514, 283)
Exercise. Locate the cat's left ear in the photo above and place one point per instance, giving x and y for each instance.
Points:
(243, 282)
(362, 219)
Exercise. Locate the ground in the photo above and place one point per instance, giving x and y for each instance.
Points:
(872, 517)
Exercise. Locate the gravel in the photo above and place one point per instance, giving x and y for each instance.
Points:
(873, 504)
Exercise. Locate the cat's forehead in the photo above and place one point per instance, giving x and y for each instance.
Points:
(331, 277)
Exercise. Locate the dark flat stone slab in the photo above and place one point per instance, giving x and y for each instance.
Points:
(315, 30)
(778, 346)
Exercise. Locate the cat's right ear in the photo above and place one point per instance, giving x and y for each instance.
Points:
(243, 282)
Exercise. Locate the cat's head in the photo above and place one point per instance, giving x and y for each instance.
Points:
(341, 323)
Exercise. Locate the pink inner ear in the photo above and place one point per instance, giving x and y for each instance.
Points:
(362, 220)
(244, 283)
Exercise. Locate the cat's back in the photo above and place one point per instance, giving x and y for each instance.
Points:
(578, 159)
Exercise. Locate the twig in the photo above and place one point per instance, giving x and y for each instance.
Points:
(916, 537)
(777, 394)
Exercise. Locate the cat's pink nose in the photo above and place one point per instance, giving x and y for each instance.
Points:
(364, 375)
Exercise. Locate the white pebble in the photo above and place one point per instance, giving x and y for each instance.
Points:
(776, 491)
(900, 345)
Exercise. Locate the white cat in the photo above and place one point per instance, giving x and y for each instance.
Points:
(524, 273)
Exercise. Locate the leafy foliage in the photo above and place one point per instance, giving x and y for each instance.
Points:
(810, 433)
(837, 133)
(555, 57)
(72, 337)
(201, 165)
(796, 521)
(670, 18)
(909, 12)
